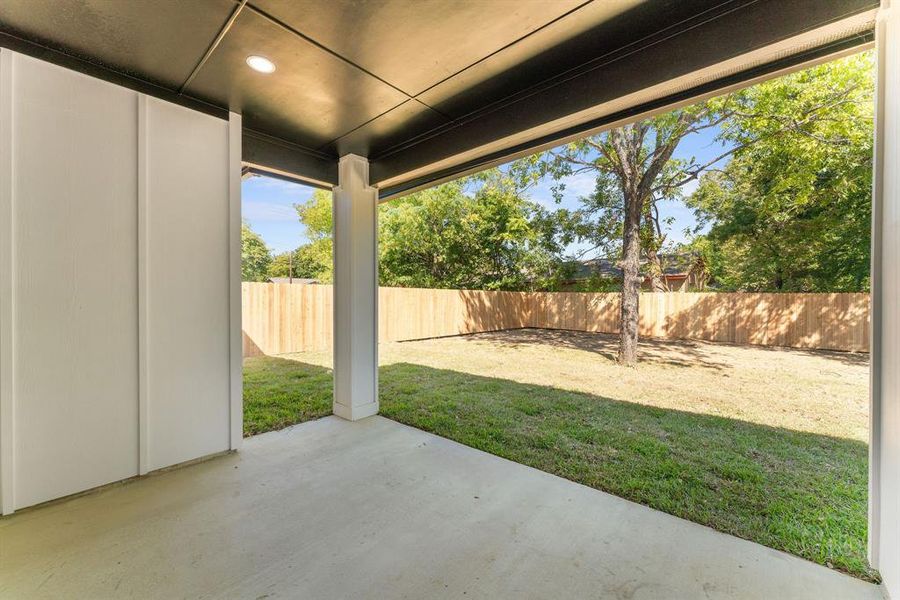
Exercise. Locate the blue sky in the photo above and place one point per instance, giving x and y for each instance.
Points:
(268, 204)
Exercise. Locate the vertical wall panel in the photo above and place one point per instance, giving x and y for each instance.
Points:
(74, 279)
(119, 302)
(7, 429)
(885, 411)
(188, 359)
(236, 360)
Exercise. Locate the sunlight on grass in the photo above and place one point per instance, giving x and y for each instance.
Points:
(797, 482)
(278, 393)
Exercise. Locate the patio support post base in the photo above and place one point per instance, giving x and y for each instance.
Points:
(355, 215)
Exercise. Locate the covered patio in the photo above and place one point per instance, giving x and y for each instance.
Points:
(124, 134)
(333, 509)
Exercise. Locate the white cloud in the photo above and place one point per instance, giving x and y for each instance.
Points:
(577, 186)
(279, 185)
(267, 211)
(581, 184)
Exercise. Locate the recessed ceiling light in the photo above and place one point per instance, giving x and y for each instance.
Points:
(261, 64)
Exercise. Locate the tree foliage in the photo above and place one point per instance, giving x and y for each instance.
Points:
(313, 259)
(792, 210)
(300, 263)
(479, 232)
(255, 256)
(476, 233)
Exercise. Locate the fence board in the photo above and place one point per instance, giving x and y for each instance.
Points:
(284, 318)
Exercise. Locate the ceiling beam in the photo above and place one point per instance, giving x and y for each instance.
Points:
(266, 155)
(758, 38)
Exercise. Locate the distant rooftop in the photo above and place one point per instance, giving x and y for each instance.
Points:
(674, 263)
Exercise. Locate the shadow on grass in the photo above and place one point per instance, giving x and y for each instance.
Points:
(799, 492)
(853, 359)
(679, 353)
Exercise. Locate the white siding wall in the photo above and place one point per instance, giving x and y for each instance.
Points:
(188, 366)
(885, 490)
(116, 245)
(74, 282)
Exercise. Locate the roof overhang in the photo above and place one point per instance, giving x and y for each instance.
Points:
(467, 149)
(430, 90)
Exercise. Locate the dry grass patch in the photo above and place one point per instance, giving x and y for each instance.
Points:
(813, 391)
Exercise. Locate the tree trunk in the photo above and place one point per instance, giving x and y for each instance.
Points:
(631, 279)
(657, 283)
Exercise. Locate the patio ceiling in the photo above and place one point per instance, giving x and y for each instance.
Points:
(429, 89)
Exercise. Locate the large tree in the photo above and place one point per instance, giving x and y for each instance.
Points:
(636, 168)
(792, 211)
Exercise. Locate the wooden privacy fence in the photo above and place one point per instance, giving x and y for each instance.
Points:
(283, 318)
(279, 317)
(820, 321)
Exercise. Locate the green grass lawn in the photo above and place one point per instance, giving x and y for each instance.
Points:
(279, 392)
(804, 492)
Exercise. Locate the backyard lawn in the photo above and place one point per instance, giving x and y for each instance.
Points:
(766, 444)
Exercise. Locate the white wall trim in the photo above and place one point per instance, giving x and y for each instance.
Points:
(884, 409)
(143, 253)
(236, 398)
(875, 324)
(7, 403)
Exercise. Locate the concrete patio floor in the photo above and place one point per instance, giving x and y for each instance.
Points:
(375, 509)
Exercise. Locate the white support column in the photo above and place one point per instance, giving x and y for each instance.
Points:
(884, 465)
(355, 291)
